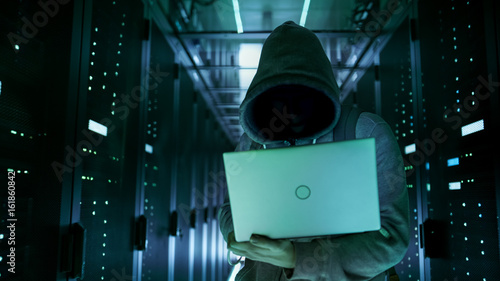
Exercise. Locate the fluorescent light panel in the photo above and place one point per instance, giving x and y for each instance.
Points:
(249, 54)
(196, 60)
(98, 128)
(237, 16)
(248, 57)
(305, 10)
(473, 128)
(196, 77)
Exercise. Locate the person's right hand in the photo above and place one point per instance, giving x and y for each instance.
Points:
(276, 252)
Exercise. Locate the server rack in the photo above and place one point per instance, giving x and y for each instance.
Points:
(435, 79)
(36, 76)
(459, 73)
(397, 108)
(102, 126)
(441, 64)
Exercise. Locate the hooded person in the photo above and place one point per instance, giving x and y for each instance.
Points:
(294, 100)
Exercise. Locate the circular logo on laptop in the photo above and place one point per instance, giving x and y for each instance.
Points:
(303, 192)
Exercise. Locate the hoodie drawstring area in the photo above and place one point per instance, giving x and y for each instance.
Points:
(290, 142)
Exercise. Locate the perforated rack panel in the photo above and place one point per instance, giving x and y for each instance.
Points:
(34, 75)
(107, 134)
(457, 64)
(438, 79)
(183, 183)
(158, 164)
(100, 126)
(397, 108)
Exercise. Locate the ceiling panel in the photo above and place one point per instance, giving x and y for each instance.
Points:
(330, 15)
(267, 15)
(264, 15)
(208, 30)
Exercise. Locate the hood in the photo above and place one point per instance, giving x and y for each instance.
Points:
(292, 64)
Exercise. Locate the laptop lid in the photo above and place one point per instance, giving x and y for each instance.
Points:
(303, 191)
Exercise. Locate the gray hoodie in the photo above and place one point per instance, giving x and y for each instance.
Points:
(293, 61)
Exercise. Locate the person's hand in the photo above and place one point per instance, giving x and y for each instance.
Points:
(276, 252)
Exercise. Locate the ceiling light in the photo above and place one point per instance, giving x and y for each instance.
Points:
(249, 54)
(237, 16)
(248, 57)
(305, 10)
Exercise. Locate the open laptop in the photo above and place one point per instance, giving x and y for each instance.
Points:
(304, 191)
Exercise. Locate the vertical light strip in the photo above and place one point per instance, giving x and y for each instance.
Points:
(305, 10)
(237, 16)
(235, 271)
(192, 234)
(204, 252)
(171, 258)
(213, 247)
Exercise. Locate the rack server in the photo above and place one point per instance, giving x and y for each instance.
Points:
(114, 116)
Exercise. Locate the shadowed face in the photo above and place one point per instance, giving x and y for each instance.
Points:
(298, 106)
(292, 112)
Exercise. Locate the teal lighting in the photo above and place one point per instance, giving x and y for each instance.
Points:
(235, 271)
(305, 10)
(453, 162)
(455, 186)
(237, 16)
(97, 127)
(473, 128)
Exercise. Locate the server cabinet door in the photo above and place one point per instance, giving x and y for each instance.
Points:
(107, 146)
(160, 138)
(459, 76)
(398, 109)
(37, 106)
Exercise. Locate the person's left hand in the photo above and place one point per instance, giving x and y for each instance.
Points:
(276, 252)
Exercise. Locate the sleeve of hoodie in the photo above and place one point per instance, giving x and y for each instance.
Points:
(365, 255)
(225, 216)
